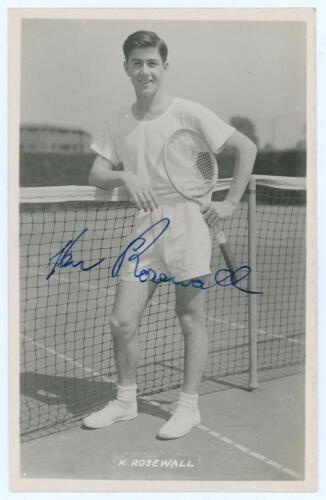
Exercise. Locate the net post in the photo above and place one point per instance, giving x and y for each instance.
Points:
(252, 246)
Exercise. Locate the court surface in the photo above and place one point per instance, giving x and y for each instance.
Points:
(243, 436)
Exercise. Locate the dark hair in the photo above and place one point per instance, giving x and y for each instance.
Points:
(141, 39)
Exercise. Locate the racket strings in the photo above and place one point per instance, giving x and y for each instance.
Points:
(205, 165)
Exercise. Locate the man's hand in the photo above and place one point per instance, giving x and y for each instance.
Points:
(141, 194)
(216, 210)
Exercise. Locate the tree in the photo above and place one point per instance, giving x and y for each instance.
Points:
(302, 143)
(245, 126)
(269, 147)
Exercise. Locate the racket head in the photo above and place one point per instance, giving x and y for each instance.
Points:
(190, 164)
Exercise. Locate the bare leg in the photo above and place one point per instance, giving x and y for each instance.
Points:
(130, 302)
(190, 311)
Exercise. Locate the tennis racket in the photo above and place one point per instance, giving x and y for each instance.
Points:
(192, 170)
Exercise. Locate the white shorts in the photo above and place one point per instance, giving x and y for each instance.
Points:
(182, 251)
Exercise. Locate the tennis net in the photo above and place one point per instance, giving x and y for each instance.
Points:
(67, 364)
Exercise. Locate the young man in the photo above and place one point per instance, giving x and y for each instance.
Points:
(135, 138)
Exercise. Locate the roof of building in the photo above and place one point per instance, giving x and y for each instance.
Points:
(52, 128)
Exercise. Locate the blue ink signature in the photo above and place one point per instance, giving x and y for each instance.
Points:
(222, 277)
(65, 259)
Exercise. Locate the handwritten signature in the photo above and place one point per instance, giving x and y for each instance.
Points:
(65, 259)
(222, 277)
(136, 248)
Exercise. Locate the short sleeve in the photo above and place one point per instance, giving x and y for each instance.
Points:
(104, 144)
(215, 130)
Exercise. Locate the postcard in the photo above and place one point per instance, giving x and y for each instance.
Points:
(162, 225)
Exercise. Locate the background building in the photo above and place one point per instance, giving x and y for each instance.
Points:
(51, 139)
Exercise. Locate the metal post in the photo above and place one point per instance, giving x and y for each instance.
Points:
(252, 246)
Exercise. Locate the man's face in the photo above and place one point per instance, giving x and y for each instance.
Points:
(146, 70)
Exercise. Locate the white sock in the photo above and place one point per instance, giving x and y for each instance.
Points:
(126, 394)
(185, 417)
(188, 401)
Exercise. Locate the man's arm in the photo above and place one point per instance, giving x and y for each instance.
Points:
(246, 152)
(102, 175)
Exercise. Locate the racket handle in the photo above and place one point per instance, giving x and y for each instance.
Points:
(226, 251)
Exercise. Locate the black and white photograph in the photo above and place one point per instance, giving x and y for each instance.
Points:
(162, 225)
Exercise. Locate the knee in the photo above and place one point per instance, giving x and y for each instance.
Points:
(122, 325)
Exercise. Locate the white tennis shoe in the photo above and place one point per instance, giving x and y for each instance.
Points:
(181, 422)
(111, 413)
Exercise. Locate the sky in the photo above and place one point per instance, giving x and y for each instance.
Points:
(72, 71)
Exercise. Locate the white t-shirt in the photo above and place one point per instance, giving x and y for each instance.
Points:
(138, 145)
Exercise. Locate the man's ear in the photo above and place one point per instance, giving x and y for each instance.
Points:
(125, 65)
(166, 65)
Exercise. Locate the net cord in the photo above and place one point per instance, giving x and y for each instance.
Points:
(57, 194)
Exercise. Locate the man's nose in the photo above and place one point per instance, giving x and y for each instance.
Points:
(145, 68)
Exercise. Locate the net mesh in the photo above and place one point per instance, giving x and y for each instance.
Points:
(281, 270)
(67, 364)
